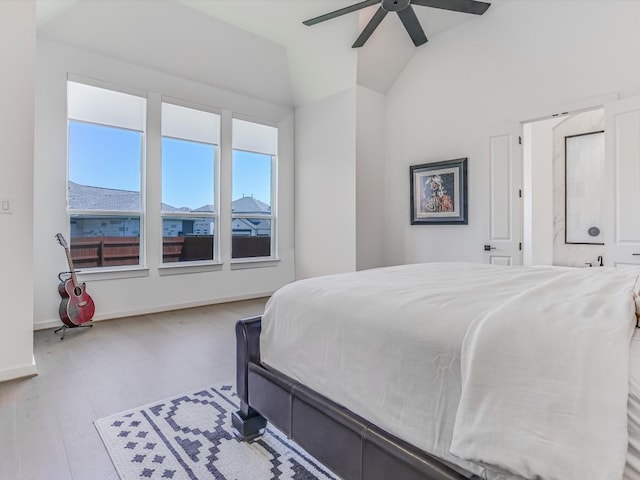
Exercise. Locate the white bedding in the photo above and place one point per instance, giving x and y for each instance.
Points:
(386, 343)
(550, 400)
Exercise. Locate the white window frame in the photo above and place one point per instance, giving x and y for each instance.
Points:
(262, 216)
(273, 215)
(215, 215)
(142, 258)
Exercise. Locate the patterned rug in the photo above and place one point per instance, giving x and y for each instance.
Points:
(190, 437)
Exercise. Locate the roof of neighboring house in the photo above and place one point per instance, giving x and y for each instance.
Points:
(252, 223)
(85, 197)
(206, 208)
(168, 208)
(249, 205)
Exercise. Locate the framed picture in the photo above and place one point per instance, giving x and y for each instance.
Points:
(439, 193)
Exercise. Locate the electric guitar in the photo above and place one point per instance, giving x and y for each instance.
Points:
(77, 306)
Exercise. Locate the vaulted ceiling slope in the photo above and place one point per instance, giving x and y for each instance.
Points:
(321, 59)
(231, 43)
(172, 38)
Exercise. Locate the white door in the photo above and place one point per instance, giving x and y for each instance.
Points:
(503, 240)
(622, 157)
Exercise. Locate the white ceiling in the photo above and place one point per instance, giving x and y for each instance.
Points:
(221, 42)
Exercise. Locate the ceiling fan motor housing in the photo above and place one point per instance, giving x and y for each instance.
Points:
(395, 5)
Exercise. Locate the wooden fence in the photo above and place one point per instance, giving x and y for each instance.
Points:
(105, 251)
(245, 247)
(88, 252)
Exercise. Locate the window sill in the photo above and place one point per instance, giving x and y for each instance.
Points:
(111, 273)
(254, 262)
(179, 268)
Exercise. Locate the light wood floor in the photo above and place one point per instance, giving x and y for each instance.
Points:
(46, 422)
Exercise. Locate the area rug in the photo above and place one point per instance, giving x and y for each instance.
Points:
(190, 437)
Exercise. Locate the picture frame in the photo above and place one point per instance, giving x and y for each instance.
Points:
(439, 193)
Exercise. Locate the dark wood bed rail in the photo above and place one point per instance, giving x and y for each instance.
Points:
(349, 445)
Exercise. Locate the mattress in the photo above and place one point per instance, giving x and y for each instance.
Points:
(361, 340)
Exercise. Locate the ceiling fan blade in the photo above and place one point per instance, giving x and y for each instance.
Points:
(371, 26)
(465, 6)
(342, 11)
(412, 24)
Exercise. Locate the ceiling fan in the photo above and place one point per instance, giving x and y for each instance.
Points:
(406, 13)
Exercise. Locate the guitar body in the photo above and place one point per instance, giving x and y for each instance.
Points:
(77, 306)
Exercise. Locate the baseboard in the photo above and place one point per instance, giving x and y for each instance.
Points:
(46, 324)
(19, 372)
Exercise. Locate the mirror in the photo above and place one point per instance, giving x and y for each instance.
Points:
(584, 188)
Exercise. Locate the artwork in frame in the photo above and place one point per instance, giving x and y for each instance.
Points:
(439, 193)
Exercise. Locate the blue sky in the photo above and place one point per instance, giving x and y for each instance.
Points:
(109, 157)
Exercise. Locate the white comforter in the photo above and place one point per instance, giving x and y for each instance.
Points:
(387, 344)
(545, 379)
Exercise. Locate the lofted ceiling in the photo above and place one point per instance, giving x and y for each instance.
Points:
(201, 39)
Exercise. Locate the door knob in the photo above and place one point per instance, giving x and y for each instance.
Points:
(488, 248)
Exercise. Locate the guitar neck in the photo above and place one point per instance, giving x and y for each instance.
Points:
(71, 269)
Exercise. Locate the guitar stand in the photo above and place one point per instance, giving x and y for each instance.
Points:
(61, 274)
(65, 327)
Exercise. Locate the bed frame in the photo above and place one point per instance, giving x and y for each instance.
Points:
(347, 444)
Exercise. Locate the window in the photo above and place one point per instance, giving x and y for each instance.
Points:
(105, 154)
(253, 216)
(190, 141)
(107, 204)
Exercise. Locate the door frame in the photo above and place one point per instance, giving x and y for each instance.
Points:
(563, 110)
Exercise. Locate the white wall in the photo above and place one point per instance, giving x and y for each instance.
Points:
(499, 68)
(325, 186)
(340, 145)
(149, 291)
(370, 194)
(18, 54)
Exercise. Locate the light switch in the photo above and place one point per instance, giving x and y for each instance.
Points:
(5, 205)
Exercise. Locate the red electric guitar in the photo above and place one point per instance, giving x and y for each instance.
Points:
(77, 306)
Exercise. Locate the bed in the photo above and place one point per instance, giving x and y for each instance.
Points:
(450, 371)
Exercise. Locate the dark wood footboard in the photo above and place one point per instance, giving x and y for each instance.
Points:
(247, 422)
(349, 445)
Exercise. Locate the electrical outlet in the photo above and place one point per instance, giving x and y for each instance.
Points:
(6, 206)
